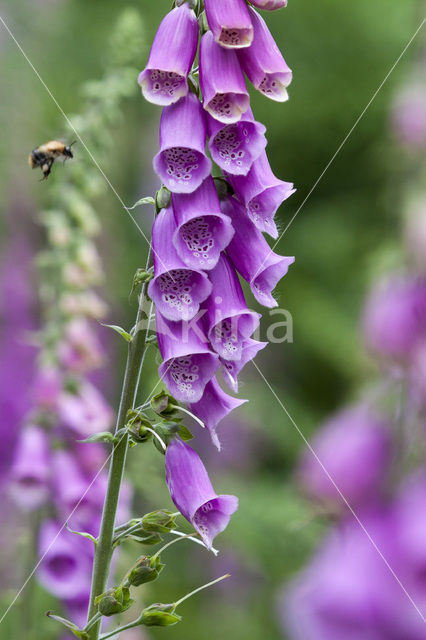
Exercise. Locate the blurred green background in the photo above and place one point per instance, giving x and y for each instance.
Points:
(340, 53)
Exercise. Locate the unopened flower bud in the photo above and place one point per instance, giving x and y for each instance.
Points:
(164, 404)
(141, 277)
(138, 427)
(113, 601)
(160, 615)
(162, 198)
(145, 570)
(160, 521)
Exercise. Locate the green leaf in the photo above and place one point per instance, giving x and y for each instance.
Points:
(124, 334)
(102, 436)
(142, 201)
(69, 625)
(83, 534)
(185, 433)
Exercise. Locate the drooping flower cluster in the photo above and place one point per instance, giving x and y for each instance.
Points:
(201, 242)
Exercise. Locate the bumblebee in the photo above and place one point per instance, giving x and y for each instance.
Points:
(45, 155)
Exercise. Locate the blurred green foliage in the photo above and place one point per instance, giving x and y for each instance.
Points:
(340, 53)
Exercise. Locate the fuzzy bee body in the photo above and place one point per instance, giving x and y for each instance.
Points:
(45, 155)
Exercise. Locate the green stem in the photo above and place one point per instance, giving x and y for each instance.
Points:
(104, 548)
(168, 545)
(204, 586)
(131, 625)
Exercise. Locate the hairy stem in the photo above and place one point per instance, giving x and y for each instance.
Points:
(104, 548)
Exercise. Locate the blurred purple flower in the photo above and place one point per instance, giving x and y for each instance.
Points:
(31, 469)
(222, 81)
(164, 80)
(47, 387)
(17, 357)
(66, 567)
(347, 591)
(85, 412)
(354, 448)
(394, 316)
(229, 22)
(415, 232)
(80, 351)
(176, 290)
(78, 498)
(182, 163)
(409, 115)
(193, 494)
(77, 607)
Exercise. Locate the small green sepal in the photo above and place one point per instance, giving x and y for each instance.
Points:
(113, 601)
(79, 633)
(123, 333)
(142, 201)
(162, 198)
(102, 436)
(161, 521)
(138, 427)
(82, 534)
(164, 404)
(145, 570)
(160, 615)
